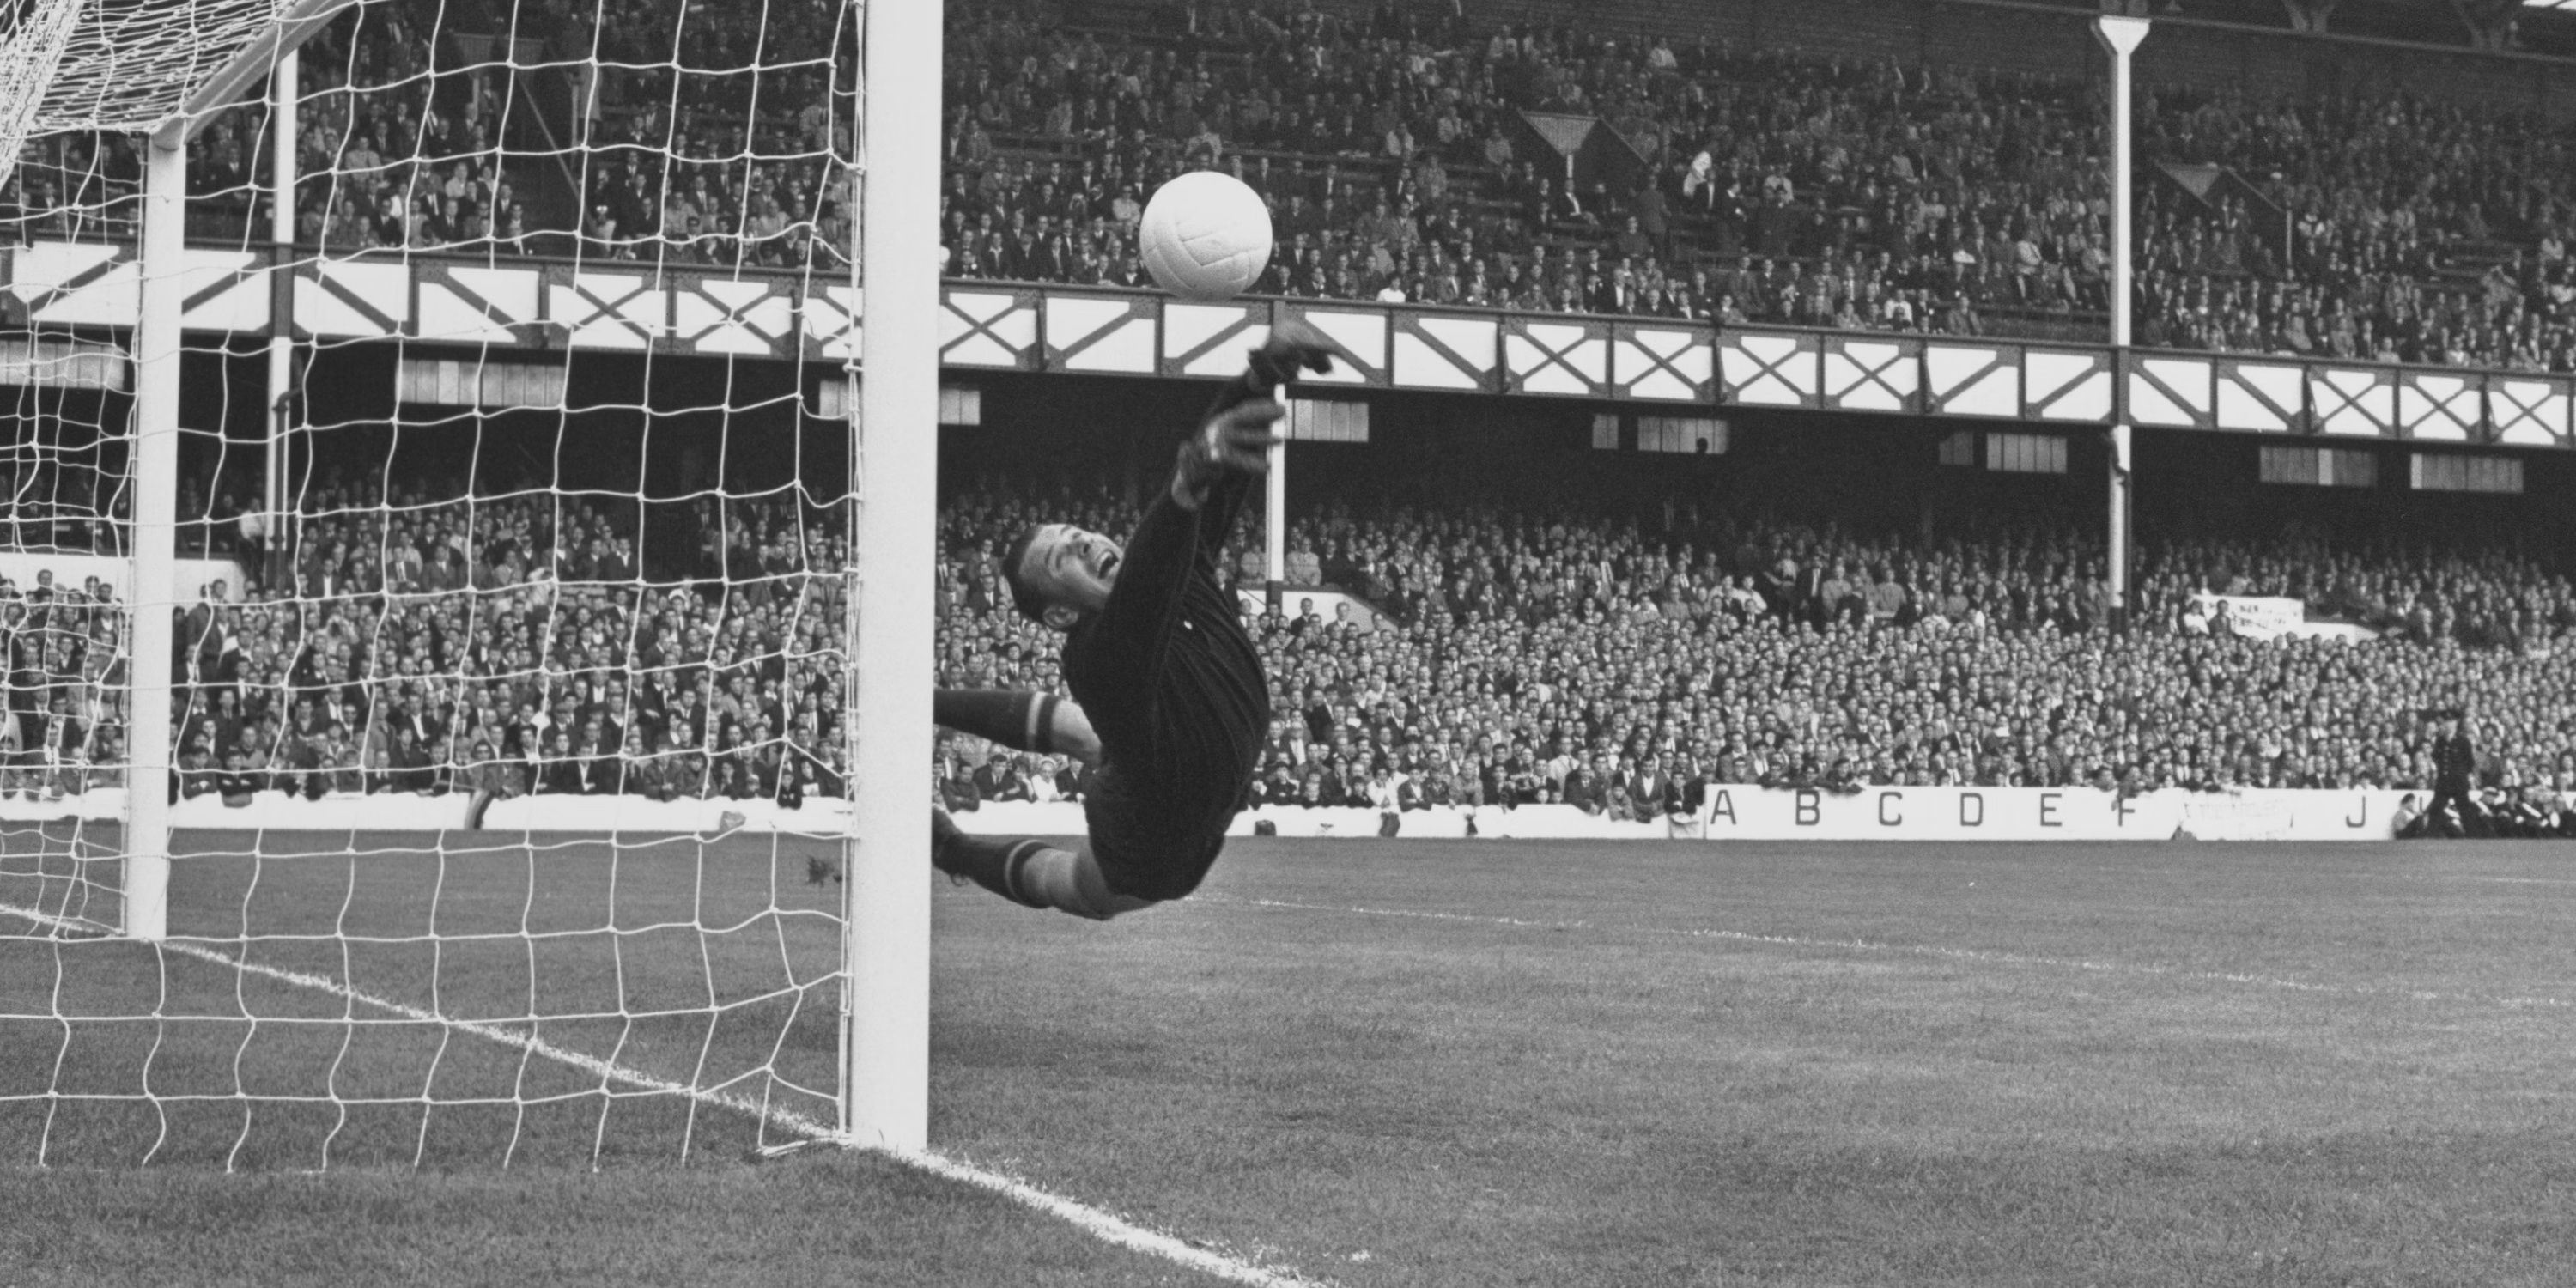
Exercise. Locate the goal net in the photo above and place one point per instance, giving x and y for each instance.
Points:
(507, 604)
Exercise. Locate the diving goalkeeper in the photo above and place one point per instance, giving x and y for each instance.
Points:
(1169, 700)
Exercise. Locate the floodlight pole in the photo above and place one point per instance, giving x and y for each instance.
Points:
(154, 498)
(282, 103)
(895, 447)
(2120, 37)
(1274, 525)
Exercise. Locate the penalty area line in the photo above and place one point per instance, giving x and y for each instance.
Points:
(1099, 1223)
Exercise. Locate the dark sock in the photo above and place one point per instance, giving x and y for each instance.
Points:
(1018, 718)
(992, 862)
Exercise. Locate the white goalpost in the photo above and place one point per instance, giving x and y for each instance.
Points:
(156, 513)
(602, 596)
(886, 1093)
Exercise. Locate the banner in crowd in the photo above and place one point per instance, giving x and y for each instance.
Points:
(1732, 813)
(2266, 617)
(2259, 617)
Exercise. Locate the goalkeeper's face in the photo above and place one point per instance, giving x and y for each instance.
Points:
(1070, 570)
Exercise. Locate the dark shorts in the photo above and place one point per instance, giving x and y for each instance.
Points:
(1142, 850)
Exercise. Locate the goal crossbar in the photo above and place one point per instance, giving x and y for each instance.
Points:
(144, 67)
(295, 25)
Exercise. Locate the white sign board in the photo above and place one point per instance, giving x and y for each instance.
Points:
(1732, 814)
(2265, 617)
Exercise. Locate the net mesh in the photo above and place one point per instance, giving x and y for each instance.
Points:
(130, 65)
(509, 548)
(30, 54)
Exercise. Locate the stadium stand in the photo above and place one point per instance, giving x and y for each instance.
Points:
(431, 645)
(1775, 184)
(437, 646)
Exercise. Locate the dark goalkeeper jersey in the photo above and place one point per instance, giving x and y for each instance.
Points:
(1172, 684)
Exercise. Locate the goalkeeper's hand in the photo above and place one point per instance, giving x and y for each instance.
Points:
(1294, 345)
(1236, 440)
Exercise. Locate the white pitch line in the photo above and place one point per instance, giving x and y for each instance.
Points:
(2465, 878)
(1099, 1223)
(1987, 956)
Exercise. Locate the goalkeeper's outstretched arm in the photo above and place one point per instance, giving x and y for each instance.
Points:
(1234, 439)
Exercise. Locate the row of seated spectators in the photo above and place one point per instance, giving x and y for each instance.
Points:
(1775, 186)
(1547, 656)
(537, 642)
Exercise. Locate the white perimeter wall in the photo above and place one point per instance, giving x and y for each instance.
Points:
(1733, 813)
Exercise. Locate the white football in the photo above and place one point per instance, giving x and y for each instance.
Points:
(1205, 236)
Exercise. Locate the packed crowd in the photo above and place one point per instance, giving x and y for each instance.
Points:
(1535, 657)
(1397, 167)
(62, 713)
(517, 645)
(537, 643)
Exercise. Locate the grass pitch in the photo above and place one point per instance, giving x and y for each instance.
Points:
(1393, 1063)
